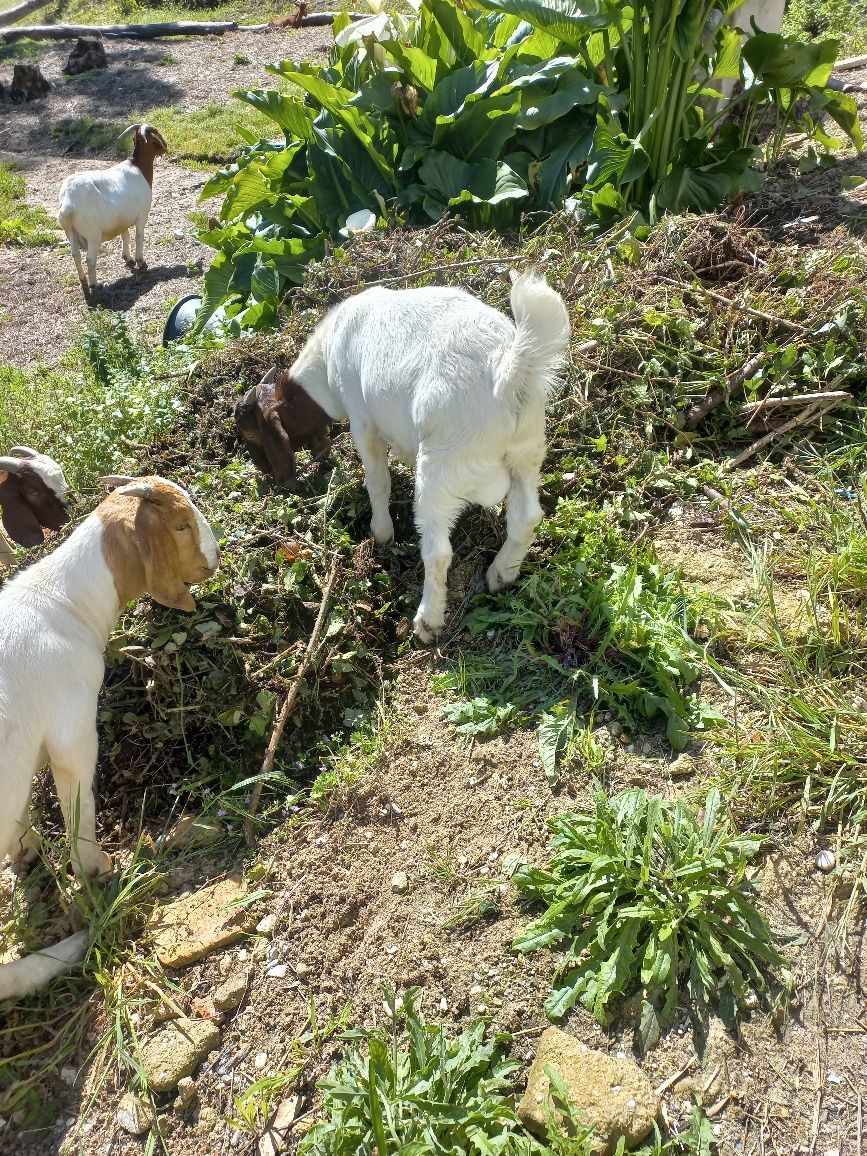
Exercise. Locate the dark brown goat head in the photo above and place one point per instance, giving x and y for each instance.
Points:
(148, 144)
(274, 419)
(34, 495)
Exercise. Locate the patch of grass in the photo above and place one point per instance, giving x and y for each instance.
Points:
(111, 395)
(22, 49)
(82, 133)
(598, 624)
(167, 60)
(210, 133)
(20, 223)
(55, 1026)
(644, 895)
(431, 1092)
(240, 58)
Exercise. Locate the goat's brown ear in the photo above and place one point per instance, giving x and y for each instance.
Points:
(160, 558)
(19, 521)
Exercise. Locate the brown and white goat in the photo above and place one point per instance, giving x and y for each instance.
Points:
(34, 496)
(94, 207)
(55, 620)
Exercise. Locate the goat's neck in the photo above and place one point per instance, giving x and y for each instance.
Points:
(75, 576)
(143, 160)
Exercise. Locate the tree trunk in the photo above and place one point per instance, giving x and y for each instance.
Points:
(13, 14)
(147, 31)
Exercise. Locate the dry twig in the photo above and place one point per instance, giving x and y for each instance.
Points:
(289, 702)
(817, 409)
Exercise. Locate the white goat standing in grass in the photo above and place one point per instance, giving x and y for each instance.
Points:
(55, 619)
(453, 386)
(94, 207)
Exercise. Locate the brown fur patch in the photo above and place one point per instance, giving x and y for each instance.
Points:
(151, 544)
(276, 419)
(148, 144)
(28, 505)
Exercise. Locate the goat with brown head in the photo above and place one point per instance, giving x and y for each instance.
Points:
(276, 418)
(34, 495)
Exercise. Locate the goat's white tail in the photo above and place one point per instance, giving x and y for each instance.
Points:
(540, 342)
(29, 974)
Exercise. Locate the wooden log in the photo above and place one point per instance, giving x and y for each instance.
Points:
(20, 10)
(155, 31)
(120, 31)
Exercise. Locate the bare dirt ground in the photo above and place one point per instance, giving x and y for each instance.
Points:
(449, 813)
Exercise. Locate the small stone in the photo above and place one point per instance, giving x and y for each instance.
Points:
(207, 1120)
(176, 1051)
(260, 1061)
(590, 1076)
(302, 970)
(68, 1073)
(826, 861)
(443, 1004)
(194, 831)
(134, 1115)
(277, 971)
(682, 765)
(230, 993)
(399, 882)
(190, 928)
(266, 925)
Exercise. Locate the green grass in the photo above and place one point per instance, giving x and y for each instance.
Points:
(109, 396)
(210, 133)
(20, 223)
(644, 895)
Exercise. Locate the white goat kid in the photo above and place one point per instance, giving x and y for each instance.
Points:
(96, 206)
(55, 620)
(454, 386)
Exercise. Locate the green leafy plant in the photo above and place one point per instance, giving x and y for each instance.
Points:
(599, 624)
(489, 109)
(643, 895)
(429, 1093)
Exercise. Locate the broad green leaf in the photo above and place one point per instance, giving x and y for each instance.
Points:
(568, 20)
(480, 129)
(555, 731)
(782, 62)
(291, 115)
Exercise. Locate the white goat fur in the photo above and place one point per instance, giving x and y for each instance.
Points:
(55, 620)
(455, 387)
(95, 207)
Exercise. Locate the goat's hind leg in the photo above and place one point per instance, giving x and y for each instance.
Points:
(125, 250)
(523, 515)
(139, 246)
(72, 238)
(436, 511)
(73, 765)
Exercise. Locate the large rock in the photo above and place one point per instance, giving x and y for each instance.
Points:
(192, 927)
(28, 83)
(609, 1092)
(87, 54)
(176, 1051)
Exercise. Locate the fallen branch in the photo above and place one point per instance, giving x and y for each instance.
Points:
(155, 31)
(798, 399)
(719, 393)
(13, 14)
(850, 64)
(289, 702)
(817, 409)
(783, 322)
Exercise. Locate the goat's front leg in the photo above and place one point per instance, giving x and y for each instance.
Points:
(139, 245)
(73, 765)
(124, 244)
(374, 457)
(523, 515)
(436, 511)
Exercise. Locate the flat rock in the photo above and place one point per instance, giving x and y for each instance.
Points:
(611, 1093)
(176, 1051)
(194, 831)
(134, 1115)
(190, 928)
(231, 991)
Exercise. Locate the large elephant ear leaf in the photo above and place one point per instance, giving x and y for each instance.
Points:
(782, 62)
(702, 180)
(570, 21)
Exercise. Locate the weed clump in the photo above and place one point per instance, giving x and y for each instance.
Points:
(643, 895)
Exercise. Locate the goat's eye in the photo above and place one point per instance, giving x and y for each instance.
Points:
(184, 526)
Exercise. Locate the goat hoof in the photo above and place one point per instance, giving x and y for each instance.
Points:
(495, 579)
(383, 534)
(142, 266)
(425, 632)
(130, 264)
